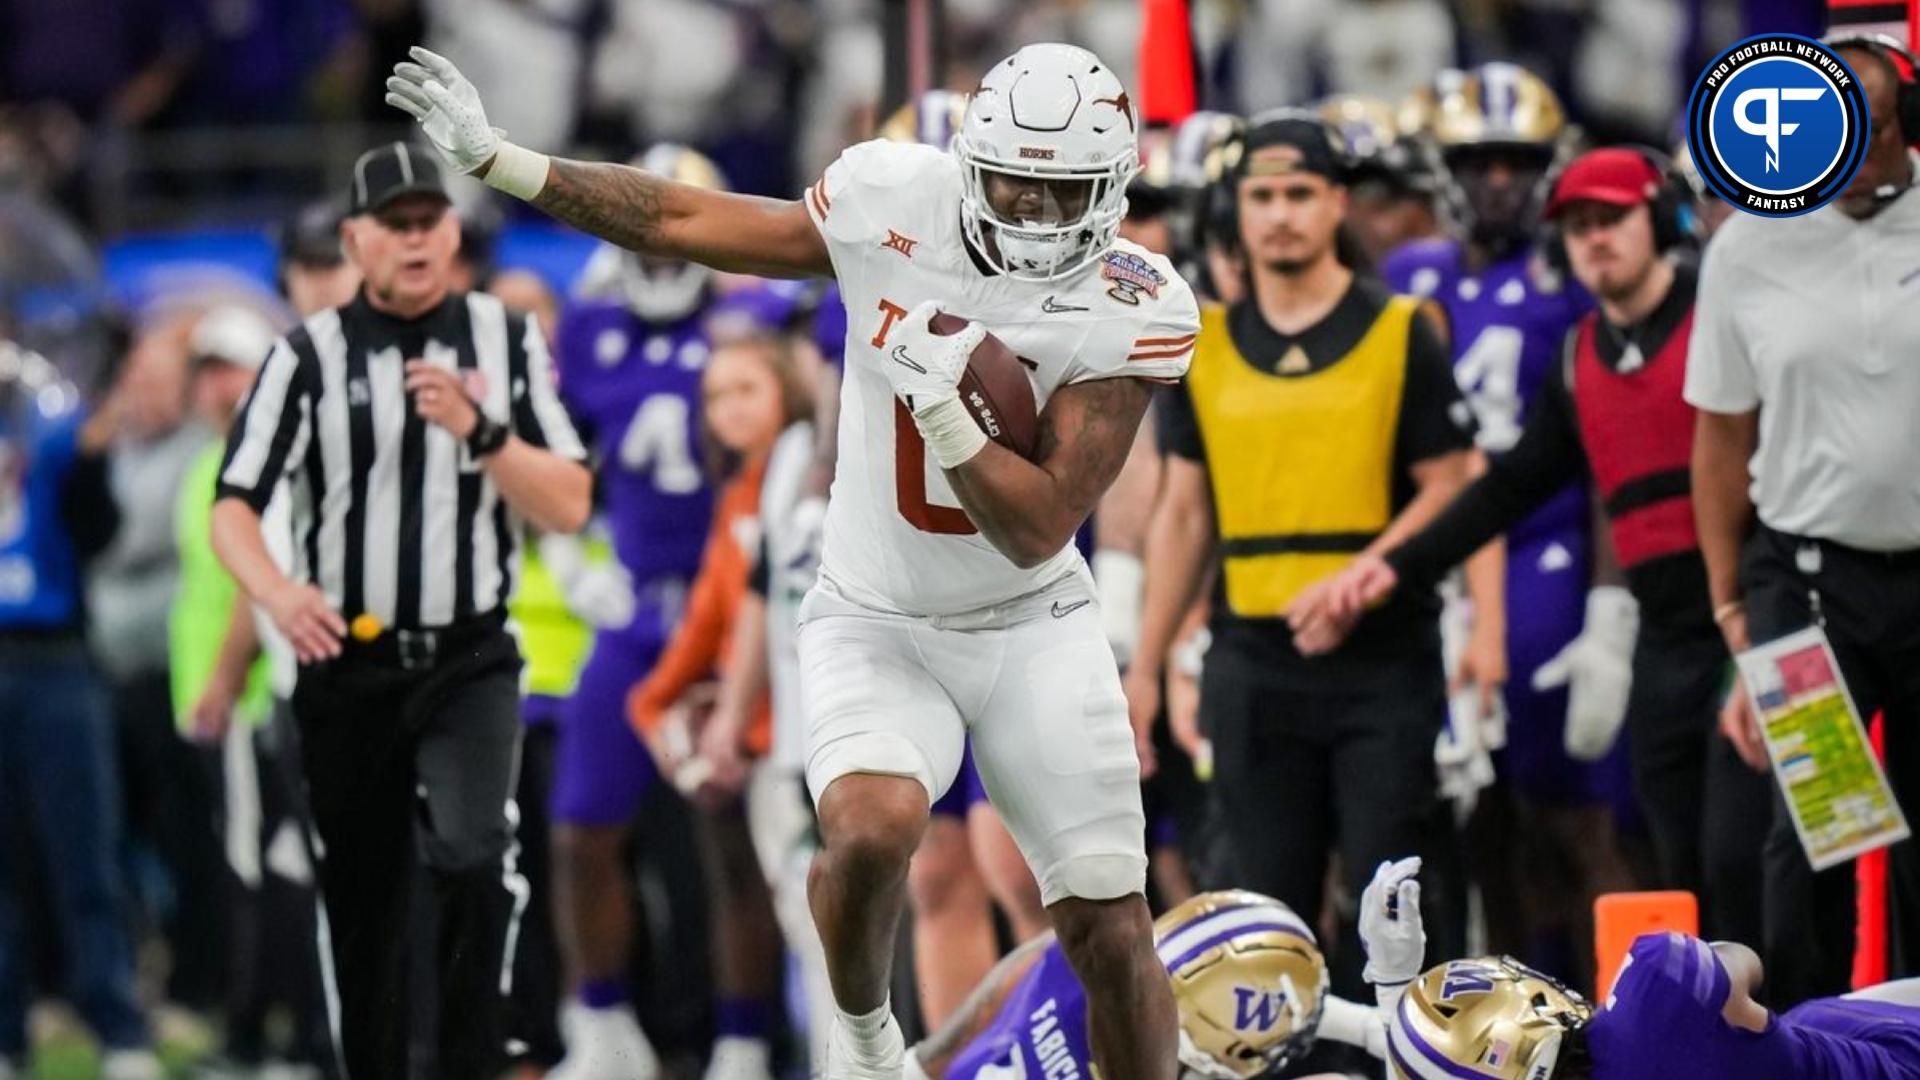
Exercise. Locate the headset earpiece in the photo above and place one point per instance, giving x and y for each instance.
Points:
(1905, 68)
(1671, 204)
(1674, 223)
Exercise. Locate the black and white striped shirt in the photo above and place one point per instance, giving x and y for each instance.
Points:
(391, 516)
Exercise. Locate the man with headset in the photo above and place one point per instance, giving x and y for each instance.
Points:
(1611, 411)
(1319, 420)
(1806, 492)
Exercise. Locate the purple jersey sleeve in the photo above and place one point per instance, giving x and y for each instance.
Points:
(1039, 1033)
(1663, 1022)
(1836, 1038)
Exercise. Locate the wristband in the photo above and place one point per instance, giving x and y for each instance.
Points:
(487, 437)
(950, 431)
(1727, 611)
(518, 171)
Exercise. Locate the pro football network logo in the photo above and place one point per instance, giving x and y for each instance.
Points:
(1778, 125)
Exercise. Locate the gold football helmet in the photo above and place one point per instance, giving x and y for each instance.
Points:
(683, 163)
(1380, 148)
(1248, 979)
(1493, 1017)
(1496, 136)
(1366, 123)
(1194, 154)
(1493, 104)
(932, 118)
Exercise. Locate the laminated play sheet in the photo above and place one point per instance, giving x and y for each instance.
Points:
(1841, 804)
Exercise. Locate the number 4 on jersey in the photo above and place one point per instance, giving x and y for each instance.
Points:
(1489, 375)
(657, 437)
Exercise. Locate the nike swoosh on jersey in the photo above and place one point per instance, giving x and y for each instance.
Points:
(1053, 307)
(1061, 611)
(900, 357)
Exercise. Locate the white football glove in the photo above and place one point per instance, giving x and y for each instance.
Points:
(1463, 764)
(432, 91)
(600, 593)
(1391, 931)
(1463, 754)
(924, 369)
(1597, 670)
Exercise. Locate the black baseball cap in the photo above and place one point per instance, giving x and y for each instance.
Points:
(1292, 141)
(387, 172)
(310, 236)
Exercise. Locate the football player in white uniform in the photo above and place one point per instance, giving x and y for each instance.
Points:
(951, 602)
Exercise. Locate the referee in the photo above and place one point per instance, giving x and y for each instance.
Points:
(1803, 369)
(414, 425)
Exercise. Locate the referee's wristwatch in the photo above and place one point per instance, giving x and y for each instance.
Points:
(488, 435)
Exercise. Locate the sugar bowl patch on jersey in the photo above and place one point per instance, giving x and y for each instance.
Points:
(1129, 275)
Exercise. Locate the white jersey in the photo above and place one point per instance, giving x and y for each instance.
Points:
(896, 538)
(790, 544)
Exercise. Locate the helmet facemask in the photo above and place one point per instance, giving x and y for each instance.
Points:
(662, 290)
(1040, 225)
(1500, 216)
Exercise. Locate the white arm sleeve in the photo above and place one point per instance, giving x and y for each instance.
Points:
(1354, 1024)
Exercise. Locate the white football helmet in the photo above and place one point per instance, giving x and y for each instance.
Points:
(1055, 120)
(657, 290)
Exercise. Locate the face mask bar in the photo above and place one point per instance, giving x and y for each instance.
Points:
(660, 290)
(1057, 244)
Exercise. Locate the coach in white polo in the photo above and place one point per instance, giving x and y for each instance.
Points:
(1805, 366)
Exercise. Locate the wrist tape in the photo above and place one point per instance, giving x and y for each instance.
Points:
(518, 171)
(950, 431)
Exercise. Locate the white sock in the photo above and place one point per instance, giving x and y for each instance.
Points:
(867, 1025)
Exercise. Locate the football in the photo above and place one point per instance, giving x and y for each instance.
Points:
(996, 391)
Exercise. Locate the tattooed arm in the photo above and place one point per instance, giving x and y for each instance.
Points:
(1030, 509)
(627, 206)
(639, 211)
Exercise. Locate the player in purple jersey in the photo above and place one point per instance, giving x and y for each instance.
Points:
(630, 353)
(1248, 979)
(1680, 1009)
(1500, 136)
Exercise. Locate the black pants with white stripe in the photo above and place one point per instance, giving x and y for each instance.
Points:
(1869, 605)
(405, 765)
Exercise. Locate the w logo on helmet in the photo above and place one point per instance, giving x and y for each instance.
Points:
(1467, 977)
(1258, 1010)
